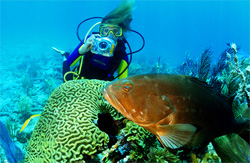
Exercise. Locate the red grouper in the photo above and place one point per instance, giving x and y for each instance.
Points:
(180, 110)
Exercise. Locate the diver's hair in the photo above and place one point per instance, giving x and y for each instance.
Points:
(122, 15)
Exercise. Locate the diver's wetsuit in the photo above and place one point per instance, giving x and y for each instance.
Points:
(97, 66)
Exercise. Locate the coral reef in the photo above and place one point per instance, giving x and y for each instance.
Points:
(229, 82)
(157, 67)
(232, 148)
(217, 70)
(27, 83)
(235, 82)
(133, 144)
(205, 64)
(243, 93)
(209, 157)
(24, 108)
(120, 140)
(12, 127)
(161, 155)
(66, 130)
(189, 67)
(50, 84)
(135, 69)
(71, 129)
(12, 152)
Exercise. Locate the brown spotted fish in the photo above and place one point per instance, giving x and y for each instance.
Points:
(180, 110)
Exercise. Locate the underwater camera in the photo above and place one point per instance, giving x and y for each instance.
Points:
(103, 46)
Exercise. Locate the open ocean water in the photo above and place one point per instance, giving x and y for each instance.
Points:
(170, 27)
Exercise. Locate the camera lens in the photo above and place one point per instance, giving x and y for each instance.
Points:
(103, 45)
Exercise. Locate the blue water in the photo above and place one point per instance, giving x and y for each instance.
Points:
(30, 69)
(171, 28)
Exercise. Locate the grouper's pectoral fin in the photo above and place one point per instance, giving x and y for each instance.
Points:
(176, 135)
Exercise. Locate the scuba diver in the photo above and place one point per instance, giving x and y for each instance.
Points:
(101, 54)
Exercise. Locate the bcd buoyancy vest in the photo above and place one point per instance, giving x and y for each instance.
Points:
(100, 67)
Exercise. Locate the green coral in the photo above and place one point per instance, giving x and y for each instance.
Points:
(236, 80)
(66, 130)
(12, 127)
(24, 108)
(133, 144)
(161, 155)
(136, 132)
(70, 129)
(139, 139)
(51, 84)
(230, 82)
(27, 83)
(205, 64)
(232, 148)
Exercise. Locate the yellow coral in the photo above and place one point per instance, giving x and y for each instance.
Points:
(194, 158)
(138, 133)
(66, 130)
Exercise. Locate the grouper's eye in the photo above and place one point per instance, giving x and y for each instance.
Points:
(127, 85)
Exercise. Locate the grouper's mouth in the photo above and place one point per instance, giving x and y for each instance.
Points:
(110, 97)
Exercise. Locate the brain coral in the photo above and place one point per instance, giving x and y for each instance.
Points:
(66, 130)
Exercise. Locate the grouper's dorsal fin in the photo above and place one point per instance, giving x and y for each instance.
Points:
(209, 88)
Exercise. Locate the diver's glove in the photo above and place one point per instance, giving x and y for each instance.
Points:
(63, 53)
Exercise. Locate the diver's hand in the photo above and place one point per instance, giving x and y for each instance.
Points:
(89, 43)
(58, 51)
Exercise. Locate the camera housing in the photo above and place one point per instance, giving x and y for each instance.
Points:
(103, 46)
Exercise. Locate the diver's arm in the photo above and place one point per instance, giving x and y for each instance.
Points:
(74, 57)
(80, 50)
(87, 46)
(123, 65)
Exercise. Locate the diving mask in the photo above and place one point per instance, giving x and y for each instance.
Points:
(106, 29)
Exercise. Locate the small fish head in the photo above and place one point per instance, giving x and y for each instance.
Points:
(138, 99)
